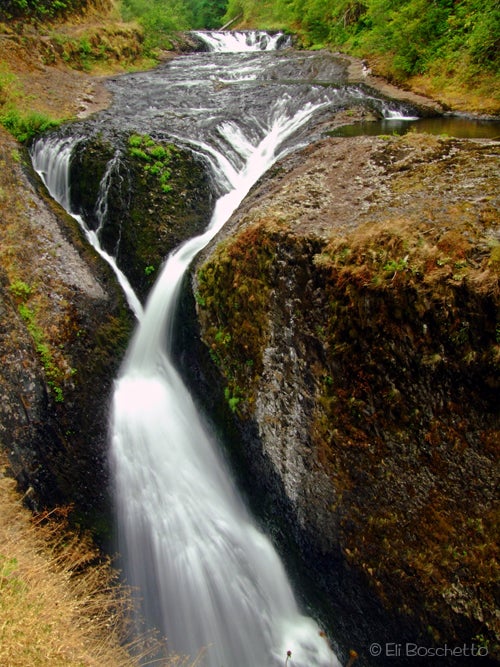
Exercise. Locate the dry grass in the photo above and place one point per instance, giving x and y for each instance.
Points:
(60, 605)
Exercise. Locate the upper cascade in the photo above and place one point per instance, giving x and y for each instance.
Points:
(239, 41)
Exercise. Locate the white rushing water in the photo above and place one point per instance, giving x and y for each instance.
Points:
(240, 41)
(207, 575)
(50, 159)
(204, 568)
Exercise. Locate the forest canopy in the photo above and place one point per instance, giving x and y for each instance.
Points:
(414, 33)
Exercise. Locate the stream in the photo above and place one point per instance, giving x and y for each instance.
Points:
(207, 576)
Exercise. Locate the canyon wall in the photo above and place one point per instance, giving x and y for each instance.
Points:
(351, 309)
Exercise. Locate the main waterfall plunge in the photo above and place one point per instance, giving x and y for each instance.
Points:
(206, 574)
(189, 543)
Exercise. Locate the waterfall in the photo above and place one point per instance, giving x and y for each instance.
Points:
(209, 577)
(239, 41)
(51, 160)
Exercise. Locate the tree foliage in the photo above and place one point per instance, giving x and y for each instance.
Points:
(159, 17)
(413, 32)
(39, 9)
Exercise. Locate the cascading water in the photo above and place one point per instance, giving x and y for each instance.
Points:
(50, 159)
(205, 570)
(207, 574)
(238, 41)
(208, 577)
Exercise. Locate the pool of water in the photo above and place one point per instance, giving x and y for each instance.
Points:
(462, 128)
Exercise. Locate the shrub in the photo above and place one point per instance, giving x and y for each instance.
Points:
(26, 126)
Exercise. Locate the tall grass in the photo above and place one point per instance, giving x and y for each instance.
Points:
(60, 602)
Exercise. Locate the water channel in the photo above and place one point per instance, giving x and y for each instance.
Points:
(208, 577)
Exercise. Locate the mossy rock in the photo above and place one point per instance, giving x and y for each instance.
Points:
(158, 195)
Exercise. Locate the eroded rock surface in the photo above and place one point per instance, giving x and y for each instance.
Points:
(352, 310)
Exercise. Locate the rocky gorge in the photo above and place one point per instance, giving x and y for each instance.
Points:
(352, 311)
(349, 326)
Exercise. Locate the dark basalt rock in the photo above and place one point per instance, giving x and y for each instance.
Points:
(368, 419)
(142, 222)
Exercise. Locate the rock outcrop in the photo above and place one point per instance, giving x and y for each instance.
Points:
(351, 310)
(156, 195)
(64, 328)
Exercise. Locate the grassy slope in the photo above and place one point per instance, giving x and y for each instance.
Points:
(51, 71)
(54, 609)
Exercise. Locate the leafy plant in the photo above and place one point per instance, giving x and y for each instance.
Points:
(25, 126)
(155, 157)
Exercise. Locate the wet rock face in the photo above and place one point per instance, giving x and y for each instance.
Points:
(63, 330)
(358, 344)
(22, 392)
(156, 195)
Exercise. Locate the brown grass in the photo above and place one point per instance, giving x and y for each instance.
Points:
(60, 603)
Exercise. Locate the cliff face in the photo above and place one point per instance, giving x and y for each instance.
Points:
(64, 323)
(352, 311)
(64, 330)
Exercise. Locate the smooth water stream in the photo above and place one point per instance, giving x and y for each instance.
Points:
(51, 158)
(208, 576)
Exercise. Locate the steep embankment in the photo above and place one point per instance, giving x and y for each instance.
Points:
(64, 328)
(55, 68)
(60, 606)
(353, 313)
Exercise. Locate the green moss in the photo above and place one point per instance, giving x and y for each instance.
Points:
(52, 372)
(233, 296)
(155, 158)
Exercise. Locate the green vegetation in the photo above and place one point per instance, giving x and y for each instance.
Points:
(40, 9)
(160, 19)
(24, 125)
(448, 50)
(455, 44)
(155, 159)
(22, 292)
(415, 32)
(234, 284)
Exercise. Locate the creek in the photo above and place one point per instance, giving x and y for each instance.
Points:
(207, 575)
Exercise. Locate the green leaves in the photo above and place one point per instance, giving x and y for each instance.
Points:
(39, 9)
